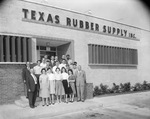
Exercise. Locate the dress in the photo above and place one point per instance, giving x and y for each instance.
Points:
(44, 86)
(72, 83)
(67, 88)
(59, 85)
(51, 78)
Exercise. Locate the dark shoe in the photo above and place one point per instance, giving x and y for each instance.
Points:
(43, 105)
(78, 100)
(35, 106)
(31, 106)
(82, 100)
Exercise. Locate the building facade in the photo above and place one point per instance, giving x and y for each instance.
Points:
(108, 51)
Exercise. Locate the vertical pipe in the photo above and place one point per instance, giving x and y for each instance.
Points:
(7, 45)
(13, 54)
(29, 49)
(24, 50)
(1, 49)
(18, 49)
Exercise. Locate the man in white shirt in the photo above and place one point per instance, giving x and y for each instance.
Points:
(69, 61)
(63, 64)
(43, 63)
(56, 66)
(37, 72)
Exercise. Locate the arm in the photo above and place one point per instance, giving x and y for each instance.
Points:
(28, 84)
(84, 75)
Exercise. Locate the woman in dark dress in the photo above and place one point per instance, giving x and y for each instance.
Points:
(72, 84)
(65, 83)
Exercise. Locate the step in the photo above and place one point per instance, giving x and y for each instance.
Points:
(38, 99)
(21, 103)
(24, 99)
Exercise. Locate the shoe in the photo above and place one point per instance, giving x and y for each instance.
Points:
(78, 100)
(47, 105)
(31, 106)
(43, 105)
(82, 100)
(53, 103)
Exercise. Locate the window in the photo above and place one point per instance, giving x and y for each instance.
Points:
(101, 54)
(15, 49)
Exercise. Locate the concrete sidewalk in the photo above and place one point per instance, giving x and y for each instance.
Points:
(14, 112)
(122, 103)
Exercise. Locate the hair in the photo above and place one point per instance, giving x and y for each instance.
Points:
(43, 69)
(48, 69)
(70, 70)
(38, 61)
(62, 69)
(57, 68)
(75, 63)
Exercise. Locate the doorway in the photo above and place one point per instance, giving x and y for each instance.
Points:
(53, 47)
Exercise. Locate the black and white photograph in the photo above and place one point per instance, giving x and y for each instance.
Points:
(74, 59)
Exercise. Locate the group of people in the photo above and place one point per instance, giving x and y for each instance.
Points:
(52, 78)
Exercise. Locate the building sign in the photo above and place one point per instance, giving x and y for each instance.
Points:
(75, 23)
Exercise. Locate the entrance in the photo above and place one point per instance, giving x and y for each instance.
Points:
(51, 47)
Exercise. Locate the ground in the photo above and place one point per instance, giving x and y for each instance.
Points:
(125, 106)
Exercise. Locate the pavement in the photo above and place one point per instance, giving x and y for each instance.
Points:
(127, 106)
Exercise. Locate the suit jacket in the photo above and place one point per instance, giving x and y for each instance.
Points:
(30, 83)
(80, 78)
(25, 73)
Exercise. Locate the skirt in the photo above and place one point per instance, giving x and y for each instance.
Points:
(72, 85)
(59, 88)
(67, 89)
(52, 87)
(44, 93)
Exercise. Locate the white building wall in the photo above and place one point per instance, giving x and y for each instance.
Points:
(11, 23)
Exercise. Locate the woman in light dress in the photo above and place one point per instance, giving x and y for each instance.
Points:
(44, 87)
(51, 78)
(59, 85)
(72, 84)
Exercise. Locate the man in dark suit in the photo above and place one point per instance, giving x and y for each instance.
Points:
(25, 74)
(32, 88)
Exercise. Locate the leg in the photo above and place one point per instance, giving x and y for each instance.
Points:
(47, 102)
(66, 96)
(72, 97)
(34, 97)
(43, 101)
(57, 99)
(60, 98)
(52, 98)
(82, 92)
(78, 93)
(30, 94)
